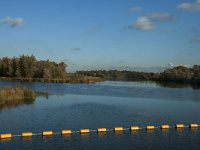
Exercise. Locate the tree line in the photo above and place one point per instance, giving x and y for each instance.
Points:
(26, 66)
(119, 75)
(176, 74)
(181, 74)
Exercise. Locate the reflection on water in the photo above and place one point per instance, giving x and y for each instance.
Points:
(145, 84)
(101, 134)
(5, 140)
(180, 130)
(142, 140)
(113, 89)
(19, 102)
(178, 85)
(15, 103)
(27, 139)
(107, 104)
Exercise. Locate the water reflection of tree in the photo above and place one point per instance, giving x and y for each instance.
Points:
(178, 85)
(16, 103)
(43, 94)
(20, 102)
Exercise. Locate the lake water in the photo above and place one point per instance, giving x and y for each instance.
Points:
(106, 104)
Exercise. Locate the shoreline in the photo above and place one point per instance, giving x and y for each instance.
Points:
(74, 80)
(93, 80)
(13, 96)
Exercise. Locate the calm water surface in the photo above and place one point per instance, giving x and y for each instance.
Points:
(106, 104)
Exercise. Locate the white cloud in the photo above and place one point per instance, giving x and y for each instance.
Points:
(146, 23)
(171, 65)
(161, 17)
(190, 6)
(143, 23)
(12, 22)
(136, 9)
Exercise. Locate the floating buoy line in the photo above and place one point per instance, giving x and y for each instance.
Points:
(99, 130)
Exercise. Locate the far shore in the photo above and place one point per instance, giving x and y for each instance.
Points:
(75, 80)
(28, 68)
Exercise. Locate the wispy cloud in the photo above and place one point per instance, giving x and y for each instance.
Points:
(95, 29)
(121, 62)
(195, 30)
(196, 35)
(76, 49)
(193, 7)
(136, 9)
(64, 60)
(12, 22)
(143, 23)
(168, 30)
(196, 39)
(161, 17)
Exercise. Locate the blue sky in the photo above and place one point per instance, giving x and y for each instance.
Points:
(102, 34)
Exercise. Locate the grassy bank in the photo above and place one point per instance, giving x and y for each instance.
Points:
(12, 96)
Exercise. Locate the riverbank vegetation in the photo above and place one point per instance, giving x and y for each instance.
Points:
(16, 93)
(14, 96)
(120, 75)
(178, 74)
(181, 74)
(72, 78)
(28, 68)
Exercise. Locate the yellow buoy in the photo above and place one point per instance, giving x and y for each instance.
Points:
(64, 132)
(133, 128)
(82, 131)
(26, 134)
(5, 136)
(47, 133)
(150, 127)
(118, 129)
(164, 126)
(179, 126)
(194, 125)
(101, 130)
